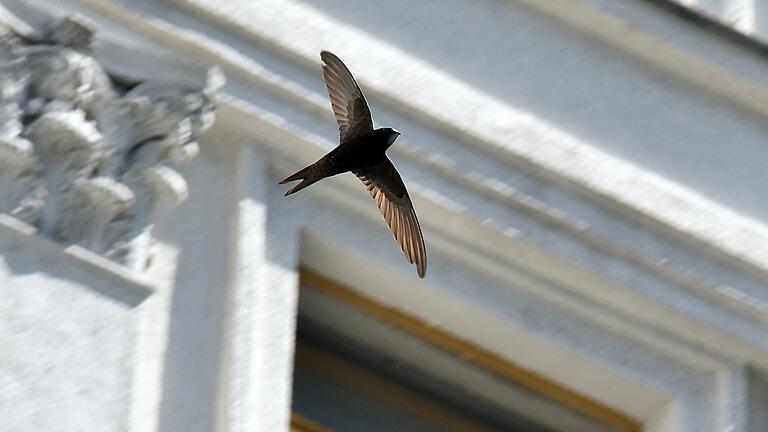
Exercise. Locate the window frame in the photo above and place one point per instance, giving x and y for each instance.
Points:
(473, 354)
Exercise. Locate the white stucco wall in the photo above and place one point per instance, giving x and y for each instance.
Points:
(589, 176)
(68, 337)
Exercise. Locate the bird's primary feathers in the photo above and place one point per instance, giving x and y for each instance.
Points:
(362, 151)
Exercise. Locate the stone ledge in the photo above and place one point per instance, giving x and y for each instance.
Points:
(130, 287)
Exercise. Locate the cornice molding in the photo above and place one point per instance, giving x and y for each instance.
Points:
(603, 296)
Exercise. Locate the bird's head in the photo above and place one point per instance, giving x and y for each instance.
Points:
(392, 135)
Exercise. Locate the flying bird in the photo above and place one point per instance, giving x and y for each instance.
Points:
(362, 151)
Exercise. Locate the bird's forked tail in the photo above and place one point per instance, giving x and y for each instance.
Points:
(307, 177)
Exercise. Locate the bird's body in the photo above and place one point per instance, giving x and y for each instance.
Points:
(362, 151)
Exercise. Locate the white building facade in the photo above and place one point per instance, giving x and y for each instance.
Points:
(589, 175)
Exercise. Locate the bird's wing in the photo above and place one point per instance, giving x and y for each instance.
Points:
(388, 190)
(348, 103)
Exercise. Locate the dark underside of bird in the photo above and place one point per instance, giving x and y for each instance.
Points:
(362, 151)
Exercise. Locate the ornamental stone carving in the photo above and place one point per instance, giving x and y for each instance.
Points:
(84, 159)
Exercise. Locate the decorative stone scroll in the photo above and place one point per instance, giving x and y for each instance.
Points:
(83, 158)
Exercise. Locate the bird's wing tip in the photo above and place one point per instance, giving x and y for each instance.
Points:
(422, 271)
(327, 55)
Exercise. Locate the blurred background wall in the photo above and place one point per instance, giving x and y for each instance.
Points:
(589, 176)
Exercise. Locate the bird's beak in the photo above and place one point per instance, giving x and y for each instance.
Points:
(396, 131)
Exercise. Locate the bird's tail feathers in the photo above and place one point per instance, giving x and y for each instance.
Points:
(306, 176)
(304, 183)
(299, 175)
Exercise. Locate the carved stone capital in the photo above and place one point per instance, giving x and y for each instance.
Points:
(84, 159)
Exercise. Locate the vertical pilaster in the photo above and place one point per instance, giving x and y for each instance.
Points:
(258, 355)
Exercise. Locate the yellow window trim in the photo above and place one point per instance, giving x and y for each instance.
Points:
(472, 353)
(299, 423)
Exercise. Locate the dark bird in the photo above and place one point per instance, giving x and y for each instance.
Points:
(362, 151)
